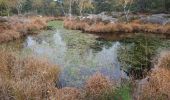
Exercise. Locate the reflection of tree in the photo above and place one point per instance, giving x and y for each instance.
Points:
(136, 54)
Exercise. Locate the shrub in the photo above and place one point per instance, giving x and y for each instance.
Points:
(17, 27)
(27, 78)
(96, 85)
(158, 86)
(8, 35)
(66, 93)
(158, 82)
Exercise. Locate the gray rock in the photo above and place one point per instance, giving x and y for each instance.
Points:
(3, 19)
(116, 14)
(155, 19)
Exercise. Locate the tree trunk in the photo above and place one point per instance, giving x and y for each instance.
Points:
(81, 11)
(70, 10)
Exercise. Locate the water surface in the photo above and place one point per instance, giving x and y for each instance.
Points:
(78, 54)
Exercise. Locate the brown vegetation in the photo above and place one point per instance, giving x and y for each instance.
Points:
(158, 84)
(34, 79)
(67, 93)
(101, 27)
(96, 85)
(27, 78)
(17, 27)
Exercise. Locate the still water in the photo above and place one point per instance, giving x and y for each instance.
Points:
(78, 54)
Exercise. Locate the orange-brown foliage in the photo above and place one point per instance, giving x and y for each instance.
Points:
(97, 84)
(158, 85)
(101, 27)
(66, 93)
(18, 27)
(28, 78)
(8, 35)
(75, 25)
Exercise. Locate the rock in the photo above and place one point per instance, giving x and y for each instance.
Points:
(116, 14)
(156, 19)
(168, 22)
(102, 17)
(3, 19)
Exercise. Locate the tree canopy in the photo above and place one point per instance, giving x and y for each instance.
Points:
(80, 7)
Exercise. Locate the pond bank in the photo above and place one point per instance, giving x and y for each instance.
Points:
(116, 24)
(15, 27)
(116, 28)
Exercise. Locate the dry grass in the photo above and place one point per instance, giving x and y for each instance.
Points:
(158, 84)
(8, 35)
(17, 27)
(164, 60)
(96, 85)
(26, 79)
(101, 27)
(75, 25)
(35, 79)
(67, 93)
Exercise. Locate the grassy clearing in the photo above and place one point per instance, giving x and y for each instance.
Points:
(101, 27)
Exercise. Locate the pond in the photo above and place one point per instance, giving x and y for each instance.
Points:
(78, 54)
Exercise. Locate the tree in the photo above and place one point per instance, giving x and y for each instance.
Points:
(18, 4)
(4, 10)
(103, 5)
(37, 4)
(126, 4)
(52, 6)
(84, 4)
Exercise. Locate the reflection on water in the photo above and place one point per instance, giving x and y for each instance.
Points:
(79, 55)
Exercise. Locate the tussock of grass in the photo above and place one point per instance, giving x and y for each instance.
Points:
(17, 27)
(75, 25)
(27, 78)
(101, 27)
(67, 93)
(158, 84)
(96, 85)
